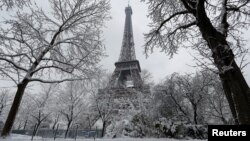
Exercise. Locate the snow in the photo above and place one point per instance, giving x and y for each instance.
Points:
(98, 124)
(16, 137)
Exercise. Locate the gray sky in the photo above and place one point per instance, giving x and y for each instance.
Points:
(158, 63)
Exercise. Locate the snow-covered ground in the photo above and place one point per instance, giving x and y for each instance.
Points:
(16, 137)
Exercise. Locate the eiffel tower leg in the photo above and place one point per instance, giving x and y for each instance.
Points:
(136, 78)
(114, 79)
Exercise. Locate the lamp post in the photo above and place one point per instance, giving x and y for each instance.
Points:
(77, 126)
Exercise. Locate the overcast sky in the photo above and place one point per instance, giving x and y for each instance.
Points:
(158, 63)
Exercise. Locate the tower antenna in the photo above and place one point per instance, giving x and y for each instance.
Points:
(128, 2)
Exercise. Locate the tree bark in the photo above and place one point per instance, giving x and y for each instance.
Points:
(195, 114)
(240, 93)
(14, 108)
(36, 128)
(55, 132)
(25, 124)
(103, 128)
(67, 130)
(229, 97)
(55, 122)
(233, 81)
(33, 133)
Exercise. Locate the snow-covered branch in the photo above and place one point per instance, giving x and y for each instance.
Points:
(9, 4)
(223, 28)
(56, 81)
(170, 18)
(61, 40)
(14, 64)
(62, 44)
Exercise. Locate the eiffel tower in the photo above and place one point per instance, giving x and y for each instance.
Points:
(125, 82)
(127, 69)
(125, 87)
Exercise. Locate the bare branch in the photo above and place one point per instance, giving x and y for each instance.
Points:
(9, 76)
(237, 8)
(14, 64)
(182, 27)
(57, 81)
(169, 18)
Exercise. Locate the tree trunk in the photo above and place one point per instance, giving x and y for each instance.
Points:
(55, 122)
(19, 126)
(36, 128)
(14, 108)
(33, 133)
(233, 81)
(25, 124)
(195, 114)
(55, 132)
(54, 125)
(234, 84)
(67, 130)
(239, 92)
(229, 97)
(1, 109)
(103, 128)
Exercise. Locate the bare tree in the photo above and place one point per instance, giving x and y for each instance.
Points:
(187, 95)
(102, 99)
(104, 106)
(62, 45)
(42, 105)
(71, 101)
(213, 25)
(217, 105)
(92, 119)
(24, 119)
(171, 95)
(162, 105)
(4, 100)
(195, 90)
(88, 118)
(8, 4)
(56, 118)
(147, 77)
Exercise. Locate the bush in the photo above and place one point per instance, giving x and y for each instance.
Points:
(140, 126)
(171, 129)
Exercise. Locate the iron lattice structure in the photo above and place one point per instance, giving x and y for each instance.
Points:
(127, 71)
